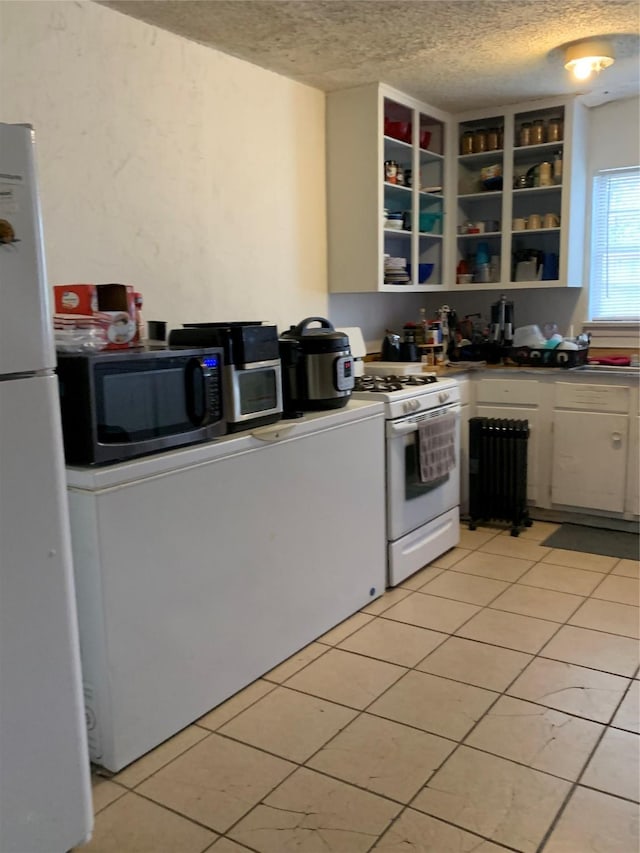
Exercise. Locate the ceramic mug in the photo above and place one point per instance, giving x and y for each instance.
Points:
(551, 220)
(534, 221)
(519, 224)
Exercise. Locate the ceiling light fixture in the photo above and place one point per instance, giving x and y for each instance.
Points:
(587, 57)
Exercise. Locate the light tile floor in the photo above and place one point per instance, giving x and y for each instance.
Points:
(490, 702)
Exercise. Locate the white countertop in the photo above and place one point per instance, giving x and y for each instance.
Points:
(93, 478)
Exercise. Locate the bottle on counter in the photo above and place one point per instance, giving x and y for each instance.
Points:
(557, 167)
(138, 300)
(422, 327)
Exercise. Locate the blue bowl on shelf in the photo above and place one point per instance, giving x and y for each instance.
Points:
(424, 272)
(429, 221)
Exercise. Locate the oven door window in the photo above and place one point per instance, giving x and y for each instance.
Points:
(258, 390)
(414, 488)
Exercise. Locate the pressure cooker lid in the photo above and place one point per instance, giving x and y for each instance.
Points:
(316, 339)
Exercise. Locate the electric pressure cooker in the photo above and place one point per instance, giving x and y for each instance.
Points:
(317, 366)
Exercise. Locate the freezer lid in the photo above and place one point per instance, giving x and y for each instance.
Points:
(26, 333)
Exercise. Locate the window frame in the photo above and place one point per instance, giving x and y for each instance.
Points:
(602, 325)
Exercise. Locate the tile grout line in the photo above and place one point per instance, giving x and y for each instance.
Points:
(585, 766)
(360, 712)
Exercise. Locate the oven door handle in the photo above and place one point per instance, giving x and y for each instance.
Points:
(405, 428)
(395, 428)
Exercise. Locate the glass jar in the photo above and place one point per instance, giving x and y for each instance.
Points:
(479, 140)
(554, 130)
(492, 139)
(390, 171)
(500, 138)
(466, 142)
(537, 132)
(525, 133)
(545, 174)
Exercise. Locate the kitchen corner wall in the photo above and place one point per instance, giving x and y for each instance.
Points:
(196, 177)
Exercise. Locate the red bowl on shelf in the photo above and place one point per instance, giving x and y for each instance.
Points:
(425, 138)
(398, 129)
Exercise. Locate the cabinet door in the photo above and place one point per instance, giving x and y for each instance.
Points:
(520, 206)
(479, 209)
(589, 460)
(531, 415)
(632, 501)
(464, 458)
(386, 171)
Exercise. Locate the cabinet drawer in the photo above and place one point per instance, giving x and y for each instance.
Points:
(464, 386)
(514, 391)
(593, 398)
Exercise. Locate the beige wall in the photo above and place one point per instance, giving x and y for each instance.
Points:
(201, 178)
(195, 176)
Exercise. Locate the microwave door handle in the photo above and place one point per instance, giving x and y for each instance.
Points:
(196, 374)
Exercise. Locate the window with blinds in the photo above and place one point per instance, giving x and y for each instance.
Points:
(614, 292)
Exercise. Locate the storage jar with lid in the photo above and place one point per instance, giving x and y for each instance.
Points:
(466, 142)
(479, 140)
(554, 130)
(525, 133)
(493, 139)
(545, 175)
(537, 132)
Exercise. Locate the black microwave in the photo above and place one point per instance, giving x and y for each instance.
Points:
(122, 404)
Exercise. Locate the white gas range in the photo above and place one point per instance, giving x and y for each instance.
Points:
(422, 417)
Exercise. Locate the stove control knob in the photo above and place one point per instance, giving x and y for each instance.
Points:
(443, 396)
(415, 405)
(406, 406)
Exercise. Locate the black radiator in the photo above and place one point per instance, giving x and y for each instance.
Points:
(498, 472)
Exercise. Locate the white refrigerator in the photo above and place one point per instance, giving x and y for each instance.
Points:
(45, 793)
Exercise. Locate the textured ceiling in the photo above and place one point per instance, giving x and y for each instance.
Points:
(458, 55)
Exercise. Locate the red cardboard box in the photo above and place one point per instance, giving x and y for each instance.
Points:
(110, 306)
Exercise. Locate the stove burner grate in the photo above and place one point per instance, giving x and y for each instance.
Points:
(392, 382)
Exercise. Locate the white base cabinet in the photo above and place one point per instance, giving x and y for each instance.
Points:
(632, 494)
(503, 398)
(590, 446)
(583, 451)
(197, 578)
(589, 460)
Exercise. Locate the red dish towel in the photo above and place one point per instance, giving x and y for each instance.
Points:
(612, 360)
(437, 447)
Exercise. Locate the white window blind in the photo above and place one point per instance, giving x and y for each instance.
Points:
(615, 246)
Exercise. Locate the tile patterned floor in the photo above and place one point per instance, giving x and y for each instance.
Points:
(490, 702)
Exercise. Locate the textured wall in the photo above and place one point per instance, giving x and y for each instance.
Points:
(197, 177)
